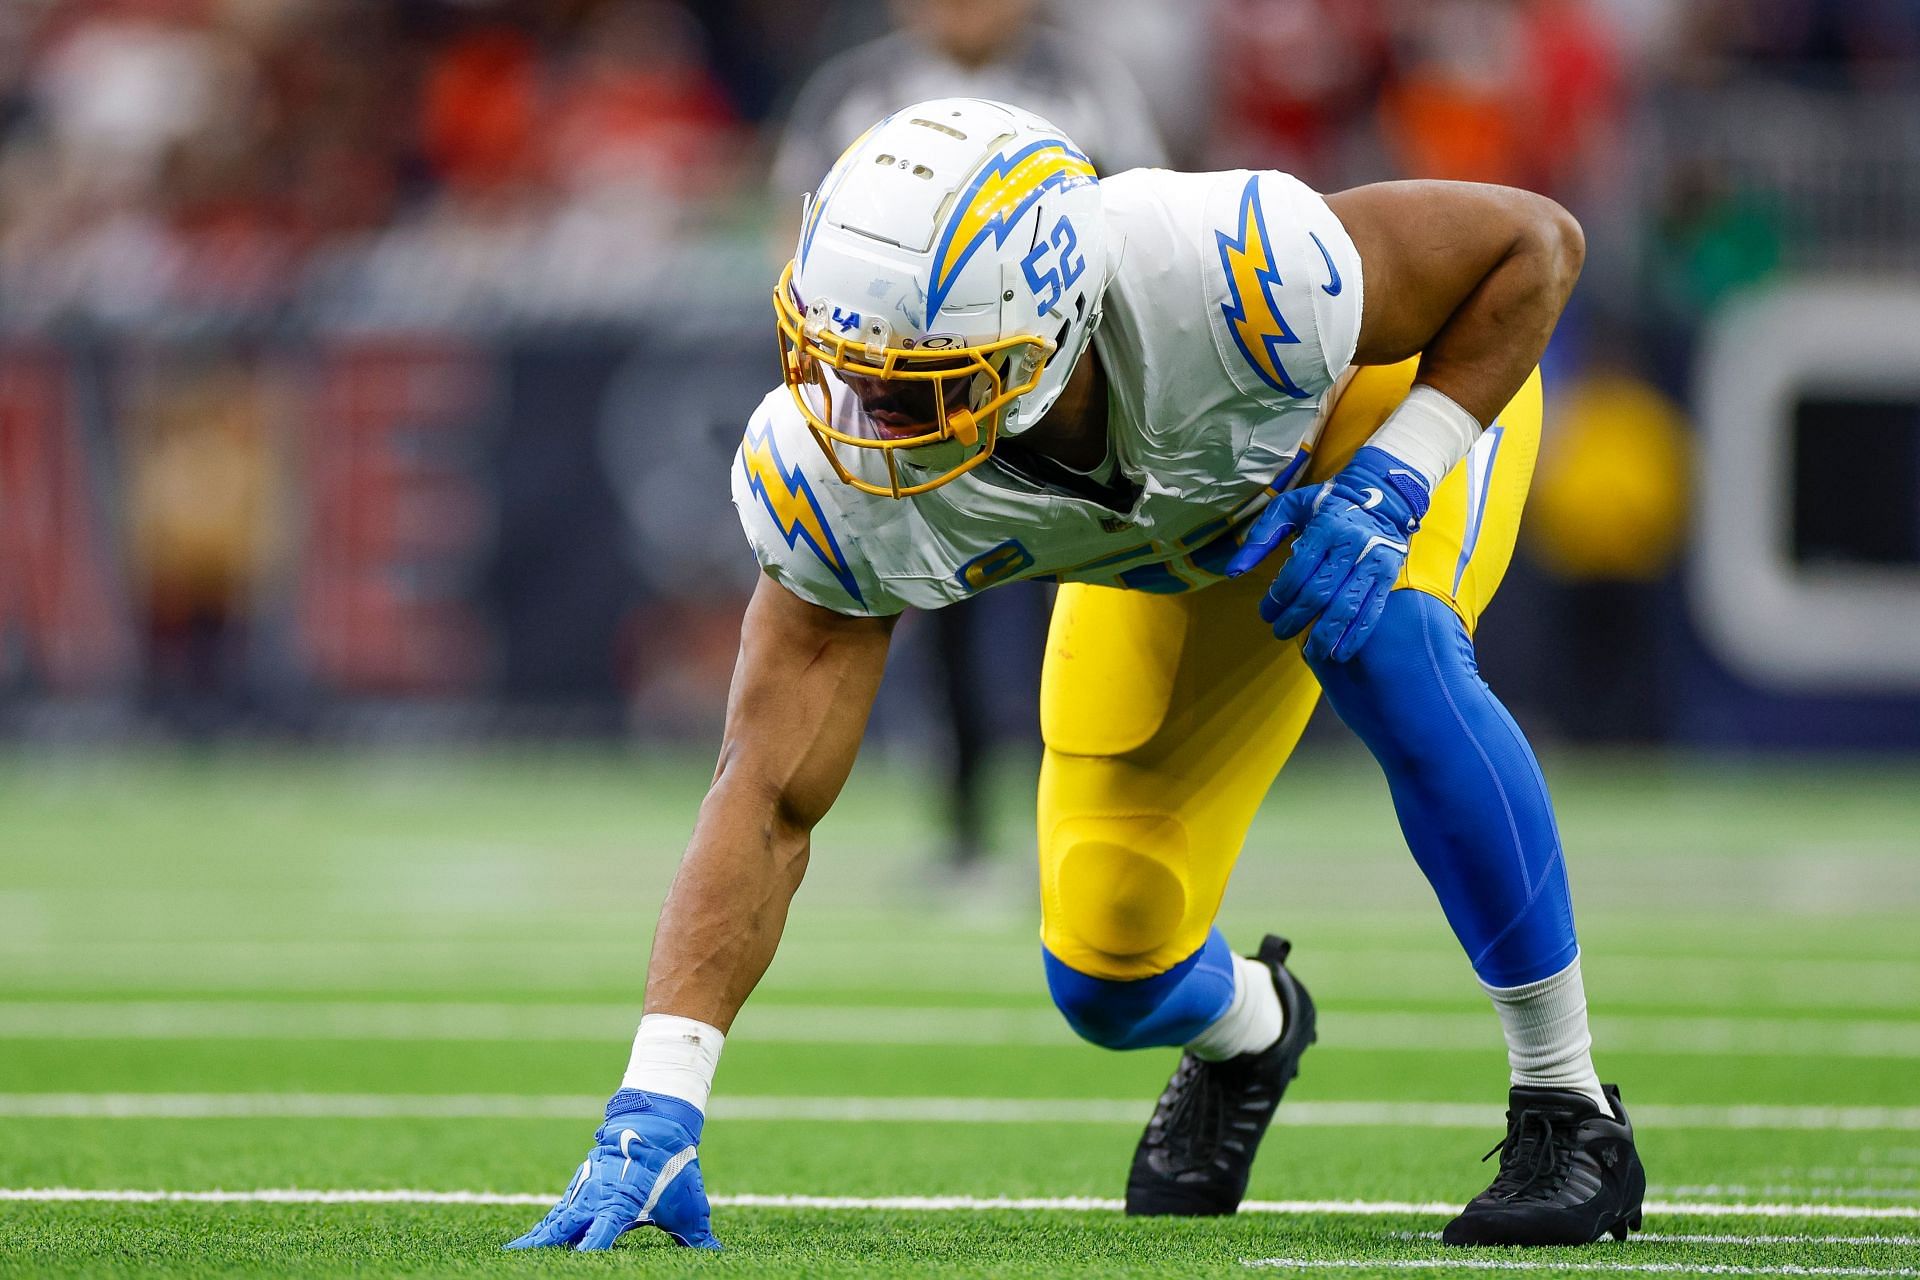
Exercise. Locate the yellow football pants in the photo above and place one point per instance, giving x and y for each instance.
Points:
(1166, 718)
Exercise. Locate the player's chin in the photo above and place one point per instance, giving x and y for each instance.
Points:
(891, 428)
(941, 455)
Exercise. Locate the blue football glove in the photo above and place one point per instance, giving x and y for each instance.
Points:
(1353, 541)
(643, 1169)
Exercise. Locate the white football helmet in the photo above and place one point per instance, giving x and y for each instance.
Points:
(950, 265)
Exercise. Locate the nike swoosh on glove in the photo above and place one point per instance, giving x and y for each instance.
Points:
(644, 1169)
(1354, 531)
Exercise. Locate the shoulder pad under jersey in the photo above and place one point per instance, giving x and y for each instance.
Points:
(1286, 315)
(791, 507)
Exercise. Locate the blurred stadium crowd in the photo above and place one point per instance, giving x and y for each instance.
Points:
(381, 352)
(192, 154)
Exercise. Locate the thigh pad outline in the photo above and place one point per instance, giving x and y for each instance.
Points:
(1113, 658)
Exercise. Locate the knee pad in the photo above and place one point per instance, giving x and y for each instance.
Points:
(1114, 892)
(1168, 1008)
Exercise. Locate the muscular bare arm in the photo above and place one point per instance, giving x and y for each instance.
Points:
(802, 689)
(801, 692)
(1470, 277)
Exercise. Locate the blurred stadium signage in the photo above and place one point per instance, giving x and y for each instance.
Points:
(1805, 573)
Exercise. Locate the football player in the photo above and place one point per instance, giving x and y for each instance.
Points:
(1272, 444)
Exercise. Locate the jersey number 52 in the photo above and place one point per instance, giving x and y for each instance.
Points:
(1050, 282)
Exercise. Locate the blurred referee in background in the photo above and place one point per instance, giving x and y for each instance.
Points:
(984, 49)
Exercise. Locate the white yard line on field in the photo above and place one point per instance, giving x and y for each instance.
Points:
(920, 1110)
(266, 1195)
(1471, 1263)
(1681, 1034)
(1661, 1237)
(906, 1204)
(923, 962)
(1763, 1191)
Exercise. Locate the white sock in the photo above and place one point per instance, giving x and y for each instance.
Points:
(1548, 1045)
(675, 1056)
(1252, 1022)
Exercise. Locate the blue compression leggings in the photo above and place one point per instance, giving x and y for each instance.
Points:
(1168, 1008)
(1472, 804)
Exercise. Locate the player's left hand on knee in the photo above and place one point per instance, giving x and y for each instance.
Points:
(1353, 538)
(644, 1169)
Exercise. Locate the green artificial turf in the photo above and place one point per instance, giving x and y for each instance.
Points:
(470, 931)
(121, 1241)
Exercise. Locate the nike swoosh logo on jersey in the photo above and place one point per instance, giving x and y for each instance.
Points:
(1332, 290)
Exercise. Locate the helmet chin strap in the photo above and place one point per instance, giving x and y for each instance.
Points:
(943, 455)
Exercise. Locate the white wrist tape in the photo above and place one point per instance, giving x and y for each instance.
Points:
(1428, 432)
(675, 1056)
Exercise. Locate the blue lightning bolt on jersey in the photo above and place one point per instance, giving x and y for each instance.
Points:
(1252, 309)
(791, 504)
(1232, 308)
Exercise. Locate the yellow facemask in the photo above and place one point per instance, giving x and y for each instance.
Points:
(1010, 368)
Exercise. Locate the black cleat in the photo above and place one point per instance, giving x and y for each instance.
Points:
(1198, 1149)
(1569, 1174)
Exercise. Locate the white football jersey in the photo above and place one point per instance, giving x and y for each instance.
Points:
(1233, 307)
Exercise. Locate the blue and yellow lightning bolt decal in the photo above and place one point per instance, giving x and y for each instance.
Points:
(1255, 321)
(999, 197)
(790, 500)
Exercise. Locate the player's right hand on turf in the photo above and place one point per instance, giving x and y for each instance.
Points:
(644, 1169)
